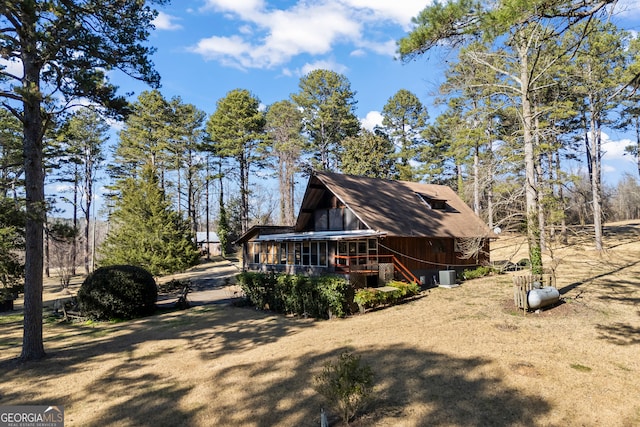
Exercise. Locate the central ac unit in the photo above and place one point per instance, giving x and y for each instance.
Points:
(447, 277)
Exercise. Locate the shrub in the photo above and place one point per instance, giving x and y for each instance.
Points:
(118, 291)
(335, 294)
(317, 297)
(478, 272)
(254, 286)
(366, 298)
(346, 385)
(406, 289)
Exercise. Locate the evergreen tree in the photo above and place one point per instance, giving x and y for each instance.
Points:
(65, 49)
(236, 131)
(284, 129)
(596, 79)
(327, 104)
(146, 231)
(84, 135)
(186, 139)
(145, 137)
(404, 119)
(525, 29)
(11, 243)
(368, 154)
(11, 162)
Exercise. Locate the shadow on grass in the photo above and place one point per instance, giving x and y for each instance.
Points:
(620, 333)
(444, 390)
(574, 285)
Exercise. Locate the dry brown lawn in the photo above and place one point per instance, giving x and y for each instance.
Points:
(453, 357)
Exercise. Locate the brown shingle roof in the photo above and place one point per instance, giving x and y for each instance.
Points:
(398, 207)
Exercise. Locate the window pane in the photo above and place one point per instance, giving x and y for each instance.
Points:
(321, 217)
(290, 253)
(305, 253)
(298, 252)
(323, 253)
(283, 253)
(335, 219)
(314, 253)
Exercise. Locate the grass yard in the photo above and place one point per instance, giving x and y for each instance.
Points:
(456, 357)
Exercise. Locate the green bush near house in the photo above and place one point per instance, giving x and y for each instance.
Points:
(318, 297)
(373, 297)
(478, 272)
(118, 292)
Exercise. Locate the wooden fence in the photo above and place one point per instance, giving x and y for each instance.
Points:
(522, 284)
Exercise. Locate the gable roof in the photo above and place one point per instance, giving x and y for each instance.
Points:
(397, 208)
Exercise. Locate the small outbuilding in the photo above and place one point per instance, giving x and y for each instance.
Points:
(209, 243)
(372, 230)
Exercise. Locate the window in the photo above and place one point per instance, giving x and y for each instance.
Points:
(298, 253)
(254, 253)
(306, 253)
(351, 221)
(433, 203)
(321, 218)
(322, 246)
(335, 219)
(314, 253)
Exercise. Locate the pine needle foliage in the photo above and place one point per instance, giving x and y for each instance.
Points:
(146, 231)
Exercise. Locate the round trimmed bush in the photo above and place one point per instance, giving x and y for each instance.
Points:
(118, 292)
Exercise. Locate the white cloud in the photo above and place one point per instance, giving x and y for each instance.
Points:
(322, 65)
(166, 22)
(269, 37)
(246, 9)
(13, 68)
(627, 8)
(371, 120)
(399, 12)
(614, 149)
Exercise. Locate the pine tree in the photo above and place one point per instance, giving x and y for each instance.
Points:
(146, 232)
(236, 130)
(327, 104)
(404, 118)
(65, 49)
(368, 154)
(284, 129)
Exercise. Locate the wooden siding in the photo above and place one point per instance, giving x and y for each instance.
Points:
(427, 254)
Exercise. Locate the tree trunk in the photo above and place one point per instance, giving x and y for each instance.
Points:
(206, 208)
(531, 192)
(74, 242)
(291, 181)
(88, 191)
(596, 167)
(638, 143)
(476, 180)
(32, 346)
(284, 188)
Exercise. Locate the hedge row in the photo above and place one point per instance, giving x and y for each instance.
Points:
(319, 297)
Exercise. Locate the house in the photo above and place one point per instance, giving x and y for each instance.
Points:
(208, 242)
(372, 230)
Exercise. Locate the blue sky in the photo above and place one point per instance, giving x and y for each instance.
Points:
(206, 48)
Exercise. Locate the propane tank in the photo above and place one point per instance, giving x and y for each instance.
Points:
(538, 298)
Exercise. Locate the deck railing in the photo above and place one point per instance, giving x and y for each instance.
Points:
(353, 265)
